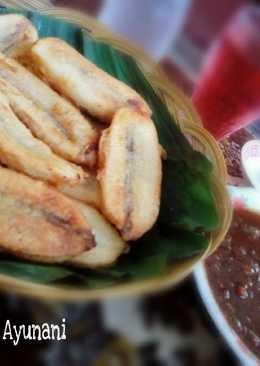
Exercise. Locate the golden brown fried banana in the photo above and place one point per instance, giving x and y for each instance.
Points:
(88, 191)
(39, 223)
(130, 173)
(17, 35)
(81, 81)
(49, 116)
(20, 150)
(109, 244)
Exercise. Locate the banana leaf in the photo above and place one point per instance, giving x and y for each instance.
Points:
(188, 209)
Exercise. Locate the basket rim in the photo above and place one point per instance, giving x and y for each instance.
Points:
(159, 80)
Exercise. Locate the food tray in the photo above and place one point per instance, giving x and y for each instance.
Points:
(187, 118)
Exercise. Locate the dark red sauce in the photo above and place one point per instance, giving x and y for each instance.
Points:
(234, 276)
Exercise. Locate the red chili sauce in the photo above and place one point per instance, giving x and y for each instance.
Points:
(234, 276)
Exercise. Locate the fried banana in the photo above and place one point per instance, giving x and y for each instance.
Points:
(109, 244)
(20, 150)
(81, 81)
(130, 173)
(39, 223)
(88, 191)
(17, 35)
(50, 117)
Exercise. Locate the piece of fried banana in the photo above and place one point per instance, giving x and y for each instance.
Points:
(109, 244)
(39, 223)
(81, 81)
(130, 173)
(88, 191)
(17, 35)
(50, 117)
(20, 150)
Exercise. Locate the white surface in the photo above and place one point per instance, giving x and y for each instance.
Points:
(249, 196)
(125, 317)
(153, 24)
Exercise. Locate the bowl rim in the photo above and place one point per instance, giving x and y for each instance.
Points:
(193, 126)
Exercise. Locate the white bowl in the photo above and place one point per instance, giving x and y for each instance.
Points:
(250, 158)
(248, 198)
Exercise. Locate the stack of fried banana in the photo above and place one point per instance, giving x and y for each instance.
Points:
(80, 172)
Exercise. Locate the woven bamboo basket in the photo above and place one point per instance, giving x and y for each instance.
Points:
(189, 121)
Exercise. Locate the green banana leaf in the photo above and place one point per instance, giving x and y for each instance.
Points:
(188, 209)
